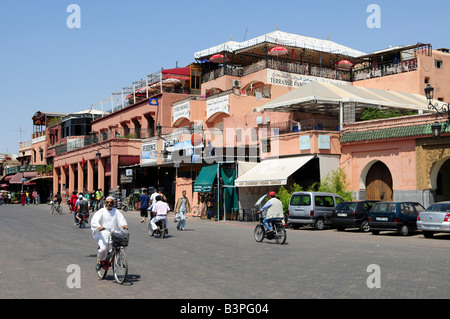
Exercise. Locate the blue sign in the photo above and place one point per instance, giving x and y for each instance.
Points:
(153, 101)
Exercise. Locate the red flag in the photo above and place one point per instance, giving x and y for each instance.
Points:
(83, 161)
(66, 165)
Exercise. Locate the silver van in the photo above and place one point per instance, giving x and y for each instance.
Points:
(312, 208)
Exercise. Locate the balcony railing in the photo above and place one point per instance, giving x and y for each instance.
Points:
(281, 65)
(76, 143)
(304, 125)
(385, 69)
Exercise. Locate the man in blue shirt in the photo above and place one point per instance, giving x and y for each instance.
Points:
(144, 200)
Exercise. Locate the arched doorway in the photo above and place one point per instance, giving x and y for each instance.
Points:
(379, 183)
(443, 182)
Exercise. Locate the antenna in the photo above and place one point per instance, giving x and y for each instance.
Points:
(20, 130)
(245, 34)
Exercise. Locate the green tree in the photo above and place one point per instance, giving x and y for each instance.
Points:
(336, 182)
(284, 195)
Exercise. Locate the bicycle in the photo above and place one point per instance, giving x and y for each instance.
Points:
(197, 212)
(56, 209)
(116, 257)
(278, 233)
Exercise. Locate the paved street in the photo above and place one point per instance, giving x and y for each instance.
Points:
(216, 260)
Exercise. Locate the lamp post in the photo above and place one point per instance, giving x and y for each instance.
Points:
(443, 111)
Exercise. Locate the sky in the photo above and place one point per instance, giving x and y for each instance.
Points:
(48, 64)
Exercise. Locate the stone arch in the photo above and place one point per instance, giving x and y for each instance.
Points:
(376, 179)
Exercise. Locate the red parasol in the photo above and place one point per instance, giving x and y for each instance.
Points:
(345, 64)
(219, 58)
(277, 51)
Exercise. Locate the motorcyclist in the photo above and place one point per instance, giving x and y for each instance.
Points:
(274, 208)
(160, 210)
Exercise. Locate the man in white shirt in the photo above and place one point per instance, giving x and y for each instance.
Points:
(274, 209)
(160, 208)
(104, 220)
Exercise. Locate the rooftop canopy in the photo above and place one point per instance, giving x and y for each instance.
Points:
(295, 42)
(319, 97)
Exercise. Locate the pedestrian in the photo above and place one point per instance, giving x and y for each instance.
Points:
(98, 199)
(143, 205)
(34, 195)
(28, 198)
(182, 206)
(92, 200)
(72, 202)
(22, 199)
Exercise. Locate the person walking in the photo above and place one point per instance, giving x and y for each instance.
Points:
(182, 206)
(144, 199)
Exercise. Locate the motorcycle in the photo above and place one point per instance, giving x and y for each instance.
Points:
(83, 220)
(278, 233)
(161, 229)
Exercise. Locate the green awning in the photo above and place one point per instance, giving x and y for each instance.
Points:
(205, 179)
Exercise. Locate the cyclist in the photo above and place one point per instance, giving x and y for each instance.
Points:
(82, 208)
(106, 218)
(57, 200)
(274, 209)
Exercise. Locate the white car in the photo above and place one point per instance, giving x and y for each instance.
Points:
(434, 219)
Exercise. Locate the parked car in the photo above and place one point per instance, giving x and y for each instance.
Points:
(312, 208)
(352, 214)
(434, 219)
(399, 216)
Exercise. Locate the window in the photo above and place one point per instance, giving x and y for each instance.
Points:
(301, 200)
(438, 64)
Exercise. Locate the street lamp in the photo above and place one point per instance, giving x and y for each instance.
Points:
(158, 130)
(443, 111)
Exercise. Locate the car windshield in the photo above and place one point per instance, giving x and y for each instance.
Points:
(439, 208)
(384, 207)
(346, 206)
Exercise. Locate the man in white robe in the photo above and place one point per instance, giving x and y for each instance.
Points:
(104, 220)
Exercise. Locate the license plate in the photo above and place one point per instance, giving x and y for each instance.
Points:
(431, 226)
(382, 219)
(342, 215)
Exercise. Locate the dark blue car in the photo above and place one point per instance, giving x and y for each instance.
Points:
(398, 216)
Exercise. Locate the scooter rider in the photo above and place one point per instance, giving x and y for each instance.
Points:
(160, 210)
(274, 208)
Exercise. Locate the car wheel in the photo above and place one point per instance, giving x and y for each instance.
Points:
(364, 227)
(404, 230)
(319, 224)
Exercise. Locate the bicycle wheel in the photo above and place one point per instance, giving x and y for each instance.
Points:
(281, 234)
(59, 209)
(102, 272)
(52, 209)
(195, 211)
(120, 266)
(259, 233)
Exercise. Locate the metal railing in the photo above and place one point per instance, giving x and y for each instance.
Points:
(384, 69)
(281, 65)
